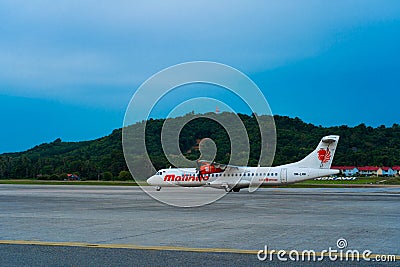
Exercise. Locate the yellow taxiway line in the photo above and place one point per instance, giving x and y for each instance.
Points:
(160, 248)
(127, 246)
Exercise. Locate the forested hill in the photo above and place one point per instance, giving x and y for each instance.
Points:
(103, 157)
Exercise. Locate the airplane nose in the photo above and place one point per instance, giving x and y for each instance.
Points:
(150, 181)
(154, 180)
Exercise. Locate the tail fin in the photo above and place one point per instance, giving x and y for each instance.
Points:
(322, 156)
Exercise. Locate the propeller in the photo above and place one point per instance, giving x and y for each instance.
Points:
(198, 168)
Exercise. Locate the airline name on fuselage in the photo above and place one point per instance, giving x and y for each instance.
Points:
(183, 178)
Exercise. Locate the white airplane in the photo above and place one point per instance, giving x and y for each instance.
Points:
(233, 178)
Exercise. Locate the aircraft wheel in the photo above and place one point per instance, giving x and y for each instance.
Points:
(236, 189)
(158, 188)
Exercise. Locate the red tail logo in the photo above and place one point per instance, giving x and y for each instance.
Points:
(324, 155)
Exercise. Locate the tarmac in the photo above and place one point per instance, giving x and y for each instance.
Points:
(122, 222)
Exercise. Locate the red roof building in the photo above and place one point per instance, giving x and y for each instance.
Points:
(386, 171)
(73, 176)
(343, 167)
(368, 170)
(396, 170)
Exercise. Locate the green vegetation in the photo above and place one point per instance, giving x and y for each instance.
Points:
(103, 159)
(40, 182)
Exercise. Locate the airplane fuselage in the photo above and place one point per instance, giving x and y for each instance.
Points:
(316, 164)
(238, 178)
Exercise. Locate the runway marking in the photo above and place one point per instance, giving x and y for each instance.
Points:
(160, 248)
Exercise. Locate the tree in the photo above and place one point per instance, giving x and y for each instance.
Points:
(359, 145)
(107, 176)
(125, 176)
(63, 176)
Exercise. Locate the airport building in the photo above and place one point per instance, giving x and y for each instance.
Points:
(385, 171)
(396, 170)
(368, 170)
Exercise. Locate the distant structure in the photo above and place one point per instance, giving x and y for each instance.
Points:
(396, 170)
(73, 177)
(385, 171)
(216, 110)
(368, 170)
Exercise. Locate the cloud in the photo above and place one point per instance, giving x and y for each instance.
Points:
(71, 50)
(81, 61)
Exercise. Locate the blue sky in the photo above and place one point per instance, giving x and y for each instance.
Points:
(69, 68)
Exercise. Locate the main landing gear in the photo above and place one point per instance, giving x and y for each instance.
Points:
(158, 188)
(228, 189)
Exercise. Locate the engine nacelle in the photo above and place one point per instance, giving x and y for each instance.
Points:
(208, 169)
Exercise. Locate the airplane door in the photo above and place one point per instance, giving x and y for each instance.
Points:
(284, 175)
